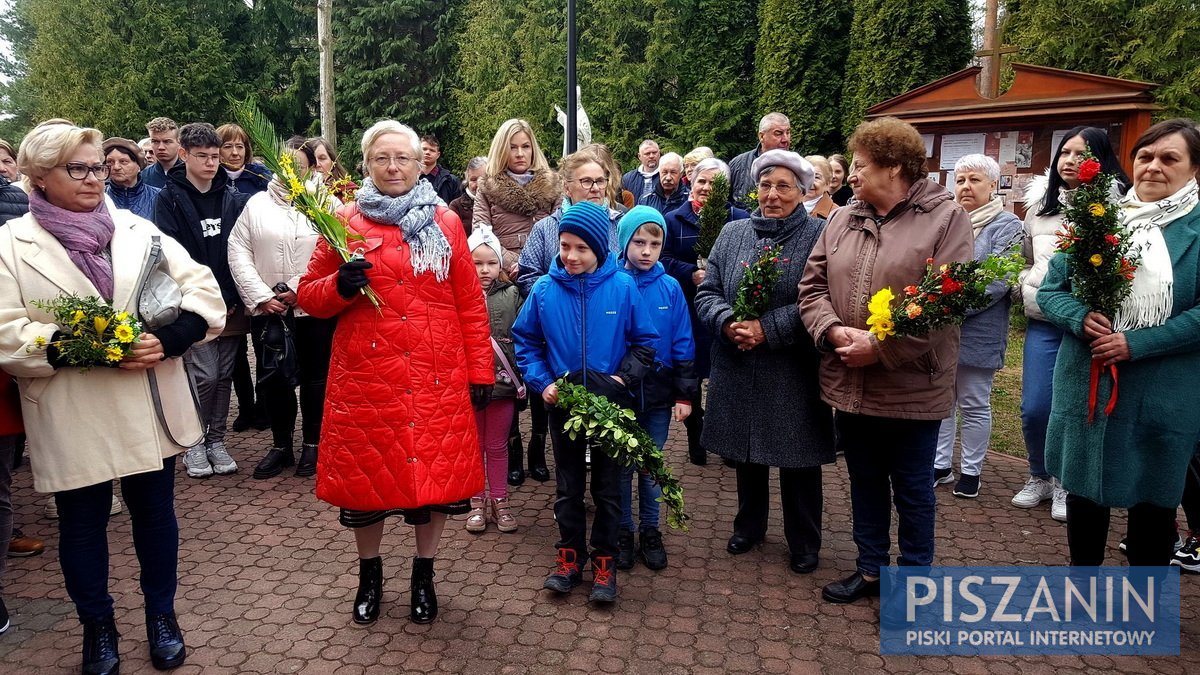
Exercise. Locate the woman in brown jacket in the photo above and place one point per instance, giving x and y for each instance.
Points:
(890, 396)
(518, 190)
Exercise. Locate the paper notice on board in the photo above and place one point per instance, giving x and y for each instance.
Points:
(954, 146)
(1055, 140)
(928, 138)
(1008, 149)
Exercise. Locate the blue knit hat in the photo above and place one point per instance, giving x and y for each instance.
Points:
(590, 223)
(631, 221)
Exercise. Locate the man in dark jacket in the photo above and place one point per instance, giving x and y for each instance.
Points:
(643, 180)
(444, 183)
(128, 191)
(164, 140)
(774, 133)
(199, 207)
(670, 191)
(14, 203)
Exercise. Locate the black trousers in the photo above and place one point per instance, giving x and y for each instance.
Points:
(243, 380)
(1191, 495)
(571, 475)
(314, 341)
(800, 492)
(1151, 533)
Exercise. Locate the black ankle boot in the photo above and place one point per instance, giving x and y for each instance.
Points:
(537, 458)
(100, 655)
(273, 464)
(307, 466)
(167, 650)
(516, 474)
(694, 425)
(370, 590)
(424, 600)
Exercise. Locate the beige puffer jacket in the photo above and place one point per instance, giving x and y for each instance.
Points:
(1039, 244)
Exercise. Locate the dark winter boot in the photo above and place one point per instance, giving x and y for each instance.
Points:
(167, 650)
(274, 463)
(100, 654)
(424, 600)
(370, 590)
(694, 424)
(626, 549)
(537, 458)
(516, 456)
(307, 466)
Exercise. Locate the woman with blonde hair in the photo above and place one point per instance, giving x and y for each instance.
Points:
(518, 189)
(618, 197)
(693, 158)
(71, 241)
(817, 201)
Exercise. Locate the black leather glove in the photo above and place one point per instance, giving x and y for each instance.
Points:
(481, 395)
(352, 276)
(53, 356)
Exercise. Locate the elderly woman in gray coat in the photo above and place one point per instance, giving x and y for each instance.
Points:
(764, 402)
(985, 331)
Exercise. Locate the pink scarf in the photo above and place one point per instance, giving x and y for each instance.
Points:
(85, 235)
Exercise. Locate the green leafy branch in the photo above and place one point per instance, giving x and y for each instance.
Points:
(615, 431)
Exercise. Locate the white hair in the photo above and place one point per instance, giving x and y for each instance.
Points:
(144, 144)
(477, 163)
(671, 157)
(773, 119)
(980, 164)
(384, 127)
(647, 143)
(708, 164)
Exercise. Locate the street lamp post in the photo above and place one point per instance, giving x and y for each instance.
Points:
(572, 128)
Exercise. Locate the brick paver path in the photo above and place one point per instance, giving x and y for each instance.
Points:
(267, 578)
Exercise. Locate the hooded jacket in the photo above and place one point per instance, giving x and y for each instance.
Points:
(503, 304)
(592, 325)
(179, 212)
(541, 248)
(859, 253)
(139, 199)
(674, 375)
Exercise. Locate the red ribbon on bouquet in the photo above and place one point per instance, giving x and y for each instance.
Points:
(1097, 368)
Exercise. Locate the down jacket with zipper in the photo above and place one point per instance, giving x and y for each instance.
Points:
(592, 325)
(399, 430)
(270, 243)
(138, 199)
(542, 246)
(511, 209)
(861, 252)
(674, 375)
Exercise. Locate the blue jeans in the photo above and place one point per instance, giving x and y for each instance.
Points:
(1042, 340)
(657, 423)
(890, 460)
(83, 541)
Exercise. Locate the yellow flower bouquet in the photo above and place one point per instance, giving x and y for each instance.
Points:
(90, 332)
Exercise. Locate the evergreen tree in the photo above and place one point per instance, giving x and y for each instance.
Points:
(897, 45)
(1153, 41)
(716, 101)
(799, 65)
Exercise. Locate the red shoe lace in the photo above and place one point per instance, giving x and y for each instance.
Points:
(566, 563)
(602, 570)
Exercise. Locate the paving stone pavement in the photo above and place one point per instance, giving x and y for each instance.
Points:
(267, 577)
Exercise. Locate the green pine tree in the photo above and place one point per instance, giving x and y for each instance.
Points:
(799, 66)
(898, 45)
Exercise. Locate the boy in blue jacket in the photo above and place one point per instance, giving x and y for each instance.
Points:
(670, 387)
(584, 320)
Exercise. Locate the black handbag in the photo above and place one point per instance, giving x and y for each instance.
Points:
(278, 364)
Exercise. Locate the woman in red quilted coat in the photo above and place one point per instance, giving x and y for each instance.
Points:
(399, 436)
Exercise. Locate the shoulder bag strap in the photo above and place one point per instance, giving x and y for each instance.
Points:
(508, 369)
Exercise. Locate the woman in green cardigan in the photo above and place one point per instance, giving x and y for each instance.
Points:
(1136, 457)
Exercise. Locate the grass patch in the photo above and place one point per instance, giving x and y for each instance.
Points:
(1006, 398)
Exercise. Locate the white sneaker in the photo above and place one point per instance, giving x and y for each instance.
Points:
(51, 508)
(1036, 491)
(116, 507)
(222, 463)
(1058, 508)
(196, 461)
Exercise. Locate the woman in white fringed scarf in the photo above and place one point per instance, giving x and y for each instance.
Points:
(398, 436)
(1136, 456)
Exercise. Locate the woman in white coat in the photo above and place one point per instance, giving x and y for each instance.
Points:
(87, 428)
(269, 249)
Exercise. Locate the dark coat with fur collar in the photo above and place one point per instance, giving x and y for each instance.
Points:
(512, 210)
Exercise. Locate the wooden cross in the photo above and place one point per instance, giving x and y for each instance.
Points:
(991, 68)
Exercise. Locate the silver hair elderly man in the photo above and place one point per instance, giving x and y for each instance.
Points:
(774, 133)
(671, 190)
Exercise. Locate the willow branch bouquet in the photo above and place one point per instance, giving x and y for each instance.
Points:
(316, 203)
(754, 292)
(615, 431)
(942, 297)
(713, 216)
(90, 332)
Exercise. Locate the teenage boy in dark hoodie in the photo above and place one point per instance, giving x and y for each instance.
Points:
(198, 207)
(584, 320)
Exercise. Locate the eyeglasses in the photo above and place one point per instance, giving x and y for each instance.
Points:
(781, 189)
(205, 158)
(589, 183)
(385, 162)
(79, 171)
